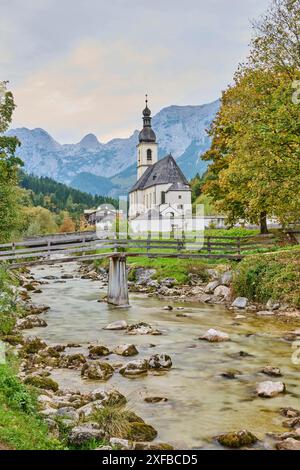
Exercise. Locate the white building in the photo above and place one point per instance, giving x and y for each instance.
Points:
(161, 191)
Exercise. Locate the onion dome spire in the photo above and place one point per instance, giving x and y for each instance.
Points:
(147, 134)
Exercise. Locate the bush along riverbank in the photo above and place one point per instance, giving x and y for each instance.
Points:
(35, 413)
(266, 284)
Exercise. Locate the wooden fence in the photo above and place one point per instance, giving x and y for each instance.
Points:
(87, 245)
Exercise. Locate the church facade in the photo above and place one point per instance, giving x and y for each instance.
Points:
(161, 191)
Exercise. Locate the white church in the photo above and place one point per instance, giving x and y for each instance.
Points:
(162, 193)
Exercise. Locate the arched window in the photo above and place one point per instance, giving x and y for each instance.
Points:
(149, 155)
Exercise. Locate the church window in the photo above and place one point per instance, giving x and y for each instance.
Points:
(163, 197)
(179, 197)
(149, 154)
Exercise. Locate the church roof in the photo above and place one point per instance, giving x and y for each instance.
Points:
(165, 171)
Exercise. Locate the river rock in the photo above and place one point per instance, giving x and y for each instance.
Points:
(89, 409)
(45, 383)
(85, 433)
(36, 309)
(67, 276)
(269, 389)
(126, 350)
(117, 325)
(68, 412)
(142, 328)
(72, 361)
(288, 444)
(108, 397)
(33, 345)
(152, 446)
(289, 412)
(50, 277)
(122, 444)
(223, 292)
(237, 439)
(272, 305)
(155, 399)
(231, 374)
(135, 368)
(142, 432)
(97, 370)
(292, 422)
(31, 321)
(272, 371)
(160, 361)
(98, 350)
(226, 278)
(143, 275)
(265, 313)
(215, 336)
(168, 307)
(240, 302)
(211, 286)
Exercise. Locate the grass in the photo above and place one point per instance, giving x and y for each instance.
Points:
(273, 276)
(20, 426)
(115, 420)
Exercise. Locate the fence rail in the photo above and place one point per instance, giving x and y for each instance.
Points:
(87, 245)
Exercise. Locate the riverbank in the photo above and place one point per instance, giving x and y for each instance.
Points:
(180, 385)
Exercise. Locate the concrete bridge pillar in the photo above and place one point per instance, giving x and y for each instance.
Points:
(117, 282)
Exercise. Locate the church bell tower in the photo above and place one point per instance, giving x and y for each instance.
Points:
(147, 146)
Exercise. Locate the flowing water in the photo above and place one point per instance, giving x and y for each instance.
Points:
(201, 403)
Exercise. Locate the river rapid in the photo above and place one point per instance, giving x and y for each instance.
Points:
(201, 402)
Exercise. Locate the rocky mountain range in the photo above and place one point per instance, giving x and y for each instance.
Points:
(110, 168)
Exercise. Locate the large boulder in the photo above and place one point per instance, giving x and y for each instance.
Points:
(142, 432)
(222, 292)
(288, 444)
(117, 325)
(143, 275)
(240, 302)
(97, 370)
(269, 389)
(126, 350)
(211, 286)
(135, 368)
(85, 433)
(237, 439)
(226, 278)
(215, 336)
(72, 361)
(159, 362)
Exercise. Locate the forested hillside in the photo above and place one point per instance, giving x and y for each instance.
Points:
(46, 192)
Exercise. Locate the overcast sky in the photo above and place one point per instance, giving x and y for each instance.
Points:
(80, 66)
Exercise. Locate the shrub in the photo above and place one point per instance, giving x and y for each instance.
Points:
(270, 276)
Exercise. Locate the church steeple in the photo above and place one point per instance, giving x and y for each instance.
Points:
(147, 134)
(147, 147)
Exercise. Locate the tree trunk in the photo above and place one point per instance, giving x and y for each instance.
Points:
(263, 223)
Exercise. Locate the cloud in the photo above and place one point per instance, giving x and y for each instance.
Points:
(84, 66)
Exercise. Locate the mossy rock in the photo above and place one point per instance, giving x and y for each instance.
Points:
(142, 432)
(33, 345)
(45, 383)
(237, 439)
(98, 351)
(153, 446)
(97, 370)
(134, 418)
(14, 340)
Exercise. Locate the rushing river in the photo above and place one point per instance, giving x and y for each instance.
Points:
(201, 403)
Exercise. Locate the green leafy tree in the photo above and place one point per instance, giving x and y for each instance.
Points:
(255, 152)
(10, 219)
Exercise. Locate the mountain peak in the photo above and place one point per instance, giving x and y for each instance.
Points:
(89, 142)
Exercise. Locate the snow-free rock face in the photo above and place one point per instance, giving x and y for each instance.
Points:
(215, 336)
(180, 130)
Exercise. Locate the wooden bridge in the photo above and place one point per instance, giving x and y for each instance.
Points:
(64, 248)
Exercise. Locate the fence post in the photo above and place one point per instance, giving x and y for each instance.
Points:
(208, 245)
(239, 245)
(14, 248)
